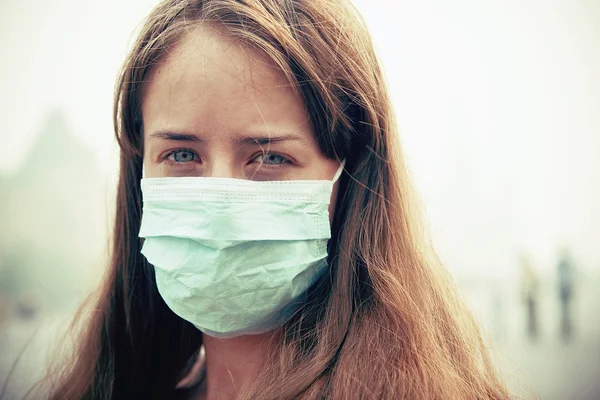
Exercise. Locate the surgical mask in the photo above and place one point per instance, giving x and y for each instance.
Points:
(232, 256)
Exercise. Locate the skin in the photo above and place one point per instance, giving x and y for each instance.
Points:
(215, 109)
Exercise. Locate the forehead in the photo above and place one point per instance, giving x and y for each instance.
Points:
(210, 81)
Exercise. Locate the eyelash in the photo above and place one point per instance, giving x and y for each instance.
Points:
(285, 160)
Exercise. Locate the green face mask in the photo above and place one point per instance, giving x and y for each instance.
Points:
(231, 256)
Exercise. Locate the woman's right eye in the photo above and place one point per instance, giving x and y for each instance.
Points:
(182, 156)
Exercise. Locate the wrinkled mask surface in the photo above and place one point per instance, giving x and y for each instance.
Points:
(233, 256)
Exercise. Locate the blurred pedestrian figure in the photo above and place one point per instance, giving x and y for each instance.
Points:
(5, 306)
(27, 307)
(529, 291)
(565, 284)
(498, 314)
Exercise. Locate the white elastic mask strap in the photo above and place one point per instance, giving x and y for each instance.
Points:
(339, 172)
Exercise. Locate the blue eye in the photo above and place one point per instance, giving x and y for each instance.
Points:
(182, 156)
(271, 159)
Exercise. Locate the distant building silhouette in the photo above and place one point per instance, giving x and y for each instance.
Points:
(53, 212)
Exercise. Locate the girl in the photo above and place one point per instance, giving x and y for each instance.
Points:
(266, 243)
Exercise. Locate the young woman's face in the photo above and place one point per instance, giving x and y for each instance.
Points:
(215, 109)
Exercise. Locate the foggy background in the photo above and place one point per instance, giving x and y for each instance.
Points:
(498, 104)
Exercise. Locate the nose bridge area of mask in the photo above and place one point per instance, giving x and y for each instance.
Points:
(226, 173)
(235, 210)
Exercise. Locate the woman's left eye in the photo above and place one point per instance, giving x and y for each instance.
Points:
(271, 159)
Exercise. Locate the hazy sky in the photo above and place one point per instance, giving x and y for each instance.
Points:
(498, 104)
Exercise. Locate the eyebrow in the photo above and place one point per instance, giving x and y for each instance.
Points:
(180, 137)
(240, 141)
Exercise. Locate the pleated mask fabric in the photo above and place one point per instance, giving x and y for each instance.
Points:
(232, 256)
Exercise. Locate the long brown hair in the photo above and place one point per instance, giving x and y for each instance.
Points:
(385, 322)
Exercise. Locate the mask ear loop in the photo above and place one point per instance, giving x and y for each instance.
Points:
(339, 172)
